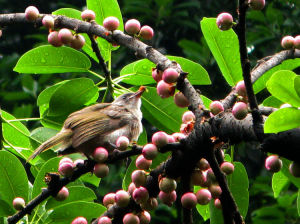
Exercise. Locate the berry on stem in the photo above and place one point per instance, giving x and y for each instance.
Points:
(189, 200)
(122, 143)
(144, 217)
(216, 107)
(100, 155)
(224, 21)
(142, 163)
(146, 32)
(287, 42)
(54, 40)
(180, 100)
(165, 90)
(111, 23)
(66, 169)
(65, 36)
(295, 169)
(257, 4)
(203, 196)
(241, 88)
(227, 168)
(240, 110)
(18, 203)
(170, 75)
(109, 199)
(273, 163)
(88, 15)
(104, 220)
(31, 13)
(167, 198)
(188, 117)
(48, 22)
(77, 42)
(297, 42)
(130, 218)
(122, 198)
(150, 151)
(156, 74)
(101, 170)
(80, 220)
(167, 185)
(62, 195)
(140, 195)
(160, 139)
(132, 26)
(138, 177)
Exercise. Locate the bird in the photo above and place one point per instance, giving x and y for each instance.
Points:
(98, 125)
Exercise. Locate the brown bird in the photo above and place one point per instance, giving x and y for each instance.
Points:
(99, 125)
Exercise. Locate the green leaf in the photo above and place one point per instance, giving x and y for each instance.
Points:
(6, 209)
(281, 85)
(224, 46)
(279, 181)
(297, 85)
(75, 93)
(282, 120)
(272, 101)
(143, 138)
(67, 212)
(290, 64)
(206, 101)
(268, 215)
(90, 178)
(202, 209)
(298, 202)
(14, 181)
(286, 172)
(48, 59)
(76, 193)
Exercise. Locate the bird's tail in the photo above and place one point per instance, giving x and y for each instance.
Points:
(61, 137)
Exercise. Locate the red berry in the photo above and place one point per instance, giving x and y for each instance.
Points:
(165, 90)
(240, 110)
(227, 168)
(224, 21)
(122, 198)
(156, 74)
(144, 217)
(80, 220)
(66, 169)
(142, 163)
(170, 75)
(88, 15)
(216, 107)
(297, 42)
(146, 32)
(65, 36)
(257, 4)
(18, 203)
(273, 163)
(77, 42)
(132, 26)
(122, 143)
(167, 198)
(62, 195)
(188, 117)
(101, 170)
(217, 203)
(287, 42)
(48, 22)
(31, 13)
(111, 23)
(241, 88)
(130, 218)
(203, 196)
(167, 185)
(100, 155)
(295, 169)
(104, 220)
(160, 139)
(54, 40)
(150, 151)
(109, 199)
(189, 200)
(138, 177)
(180, 100)
(215, 191)
(140, 195)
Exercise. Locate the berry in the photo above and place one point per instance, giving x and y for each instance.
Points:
(215, 191)
(101, 170)
(170, 75)
(241, 88)
(78, 161)
(167, 198)
(216, 107)
(160, 139)
(62, 195)
(138, 177)
(156, 74)
(210, 177)
(180, 100)
(227, 168)
(142, 163)
(66, 160)
(224, 21)
(80, 220)
(54, 40)
(217, 203)
(189, 200)
(150, 204)
(77, 42)
(146, 32)
(88, 15)
(132, 26)
(130, 218)
(198, 178)
(65, 36)
(18, 203)
(240, 110)
(122, 198)
(165, 90)
(131, 188)
(167, 185)
(66, 169)
(287, 42)
(100, 155)
(48, 22)
(122, 143)
(111, 23)
(257, 4)
(297, 42)
(295, 169)
(178, 136)
(273, 163)
(0, 33)
(150, 151)
(109, 199)
(203, 196)
(144, 217)
(203, 164)
(104, 220)
(31, 13)
(140, 195)
(188, 117)
(171, 139)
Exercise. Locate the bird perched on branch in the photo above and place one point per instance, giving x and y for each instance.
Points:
(99, 125)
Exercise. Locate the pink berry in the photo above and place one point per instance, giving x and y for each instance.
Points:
(150, 204)
(66, 169)
(160, 139)
(217, 203)
(180, 100)
(167, 185)
(138, 177)
(140, 195)
(104, 220)
(109, 199)
(198, 178)
(132, 26)
(171, 139)
(31, 13)
(48, 22)
(188, 117)
(146, 32)
(122, 198)
(130, 218)
(189, 200)
(240, 110)
(131, 188)
(80, 220)
(297, 42)
(295, 169)
(111, 23)
(144, 217)
(227, 168)
(257, 4)
(77, 42)
(18, 203)
(100, 155)
(156, 74)
(54, 40)
(203, 196)
(165, 90)
(170, 75)
(150, 151)
(287, 42)
(167, 198)
(215, 190)
(142, 163)
(203, 164)
(66, 160)
(273, 163)
(101, 170)
(88, 15)
(122, 143)
(210, 177)
(216, 107)
(224, 21)
(62, 195)
(0, 33)
(178, 136)
(65, 36)
(241, 88)
(78, 161)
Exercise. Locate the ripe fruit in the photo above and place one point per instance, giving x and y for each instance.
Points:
(216, 107)
(240, 110)
(66, 160)
(18, 203)
(104, 220)
(150, 204)
(122, 198)
(66, 169)
(48, 22)
(241, 88)
(160, 139)
(215, 191)
(198, 178)
(150, 151)
(210, 177)
(295, 169)
(130, 218)
(170, 75)
(62, 195)
(167, 185)
(273, 163)
(101, 170)
(180, 100)
(287, 42)
(188, 117)
(131, 188)
(140, 195)
(167, 198)
(88, 15)
(227, 168)
(138, 177)
(122, 143)
(189, 200)
(100, 155)
(132, 26)
(156, 74)
(77, 42)
(224, 21)
(178, 136)
(257, 4)
(80, 220)
(78, 162)
(142, 163)
(31, 13)
(65, 36)
(54, 40)
(203, 164)
(218, 204)
(144, 217)
(146, 32)
(165, 90)
(109, 199)
(111, 23)
(297, 42)
(203, 196)
(171, 139)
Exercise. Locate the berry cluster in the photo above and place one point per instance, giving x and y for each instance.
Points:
(289, 42)
(274, 165)
(133, 27)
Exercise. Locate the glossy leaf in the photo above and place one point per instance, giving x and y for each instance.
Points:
(127, 177)
(297, 85)
(272, 101)
(224, 46)
(48, 59)
(268, 215)
(279, 181)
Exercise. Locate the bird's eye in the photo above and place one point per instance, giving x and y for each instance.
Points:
(124, 97)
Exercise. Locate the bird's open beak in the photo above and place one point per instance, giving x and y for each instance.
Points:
(139, 93)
